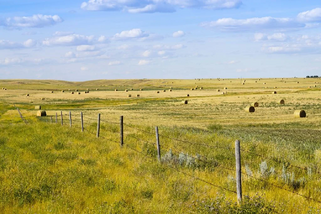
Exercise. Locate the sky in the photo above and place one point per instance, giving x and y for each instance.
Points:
(80, 40)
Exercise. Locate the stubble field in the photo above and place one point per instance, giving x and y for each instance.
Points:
(46, 167)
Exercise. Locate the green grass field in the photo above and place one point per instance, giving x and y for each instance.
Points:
(49, 168)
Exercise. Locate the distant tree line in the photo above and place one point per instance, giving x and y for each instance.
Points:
(315, 76)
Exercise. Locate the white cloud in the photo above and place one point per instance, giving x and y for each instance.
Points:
(259, 37)
(229, 24)
(69, 40)
(35, 21)
(130, 34)
(143, 62)
(284, 49)
(70, 54)
(161, 53)
(152, 6)
(114, 63)
(16, 61)
(178, 34)
(147, 53)
(83, 68)
(232, 62)
(4, 44)
(279, 37)
(8, 61)
(102, 39)
(61, 33)
(29, 43)
(310, 16)
(86, 48)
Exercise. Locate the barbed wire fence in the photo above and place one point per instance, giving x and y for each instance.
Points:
(136, 131)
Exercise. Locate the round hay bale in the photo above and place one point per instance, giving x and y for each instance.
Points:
(255, 104)
(250, 109)
(78, 92)
(300, 113)
(315, 86)
(264, 83)
(141, 89)
(72, 92)
(126, 90)
(275, 87)
(274, 92)
(157, 92)
(27, 95)
(137, 95)
(41, 113)
(132, 89)
(38, 107)
(201, 88)
(164, 90)
(51, 91)
(43, 98)
(243, 83)
(185, 102)
(116, 89)
(97, 89)
(129, 95)
(218, 90)
(62, 91)
(76, 89)
(192, 89)
(187, 95)
(297, 82)
(170, 90)
(282, 102)
(225, 88)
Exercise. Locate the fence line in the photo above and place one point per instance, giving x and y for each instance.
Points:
(238, 159)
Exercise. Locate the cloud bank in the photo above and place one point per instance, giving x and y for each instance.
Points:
(35, 21)
(153, 6)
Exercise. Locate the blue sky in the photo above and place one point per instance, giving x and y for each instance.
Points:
(124, 39)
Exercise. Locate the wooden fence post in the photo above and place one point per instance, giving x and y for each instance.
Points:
(238, 171)
(62, 119)
(82, 122)
(70, 121)
(56, 118)
(51, 119)
(98, 125)
(121, 130)
(158, 146)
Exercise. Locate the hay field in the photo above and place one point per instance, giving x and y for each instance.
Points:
(52, 162)
(206, 106)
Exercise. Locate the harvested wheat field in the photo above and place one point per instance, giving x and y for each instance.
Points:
(196, 135)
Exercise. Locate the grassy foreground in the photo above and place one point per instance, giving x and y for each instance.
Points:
(49, 168)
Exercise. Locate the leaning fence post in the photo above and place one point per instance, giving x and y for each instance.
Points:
(70, 121)
(121, 130)
(158, 146)
(238, 170)
(98, 125)
(82, 122)
(62, 119)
